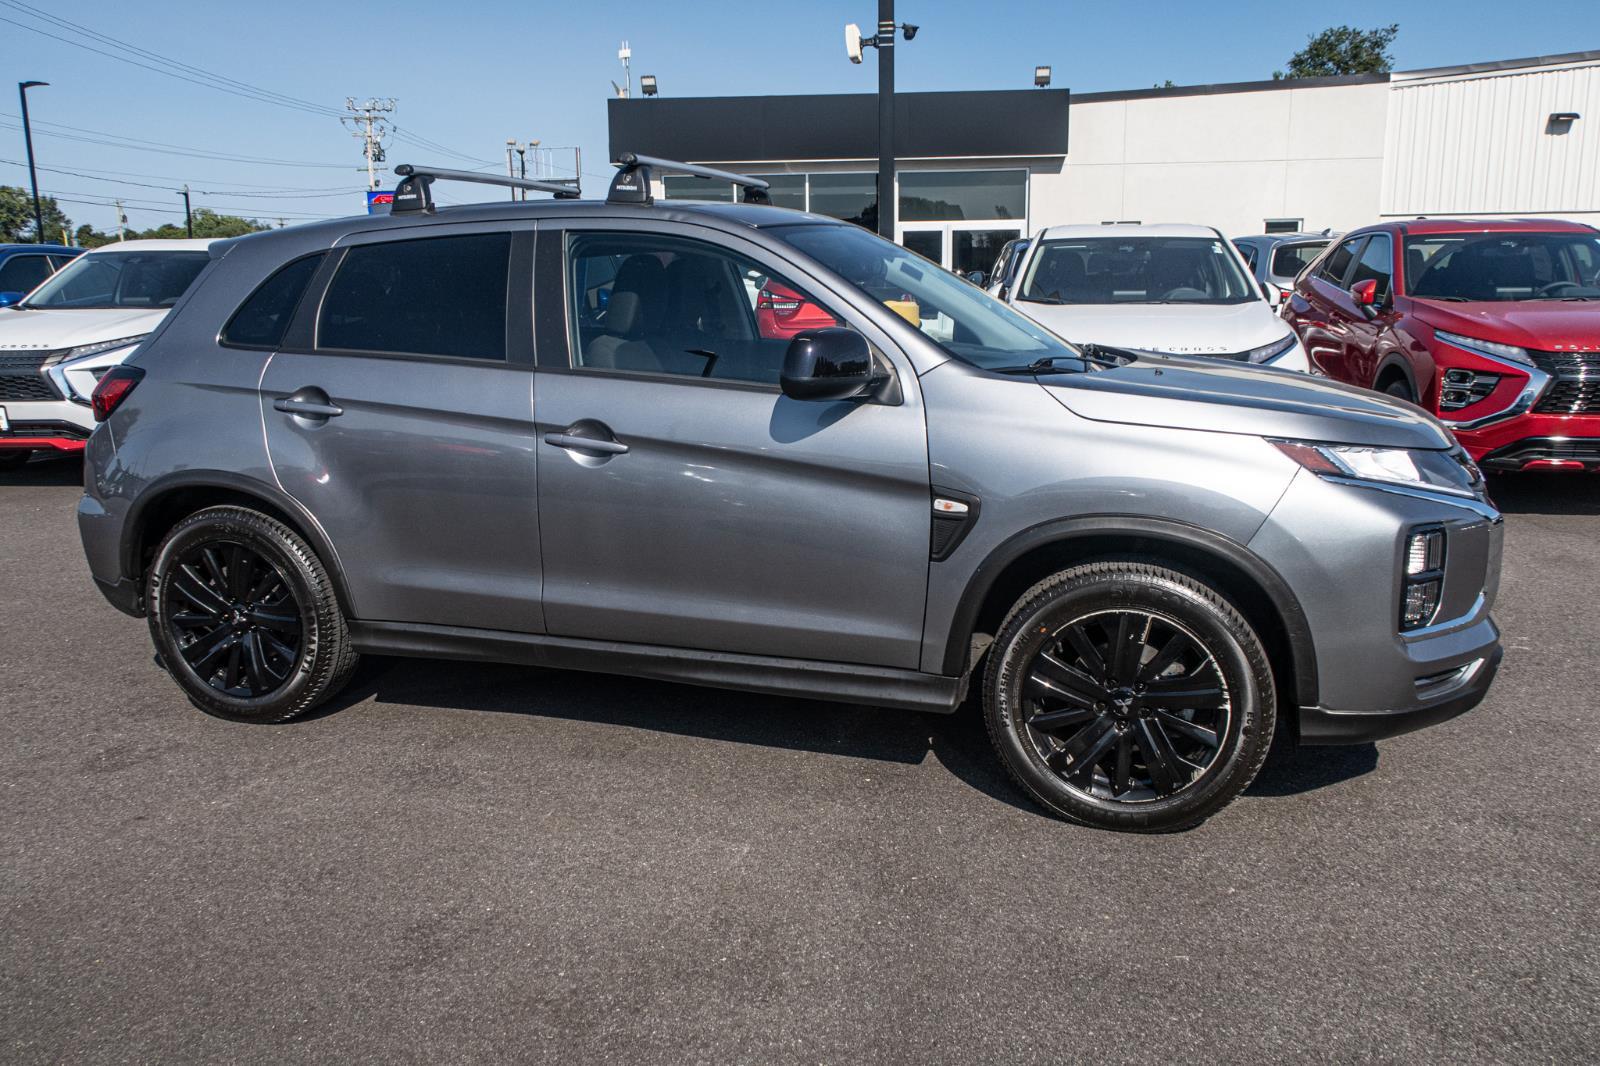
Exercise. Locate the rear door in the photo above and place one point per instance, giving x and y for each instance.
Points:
(711, 511)
(399, 412)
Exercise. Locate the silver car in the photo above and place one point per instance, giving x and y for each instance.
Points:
(1276, 259)
(587, 435)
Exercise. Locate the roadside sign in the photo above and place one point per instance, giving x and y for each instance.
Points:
(379, 201)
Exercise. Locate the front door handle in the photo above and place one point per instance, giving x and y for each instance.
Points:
(309, 402)
(586, 444)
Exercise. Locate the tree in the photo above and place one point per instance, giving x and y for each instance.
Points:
(1344, 50)
(207, 223)
(16, 217)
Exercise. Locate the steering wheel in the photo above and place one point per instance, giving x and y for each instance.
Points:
(1185, 292)
(1555, 286)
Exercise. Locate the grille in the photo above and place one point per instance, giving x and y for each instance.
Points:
(21, 377)
(1576, 388)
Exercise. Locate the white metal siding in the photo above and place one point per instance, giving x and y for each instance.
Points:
(1480, 145)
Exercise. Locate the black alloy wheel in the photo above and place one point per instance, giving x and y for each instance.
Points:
(238, 626)
(245, 618)
(1127, 695)
(1126, 705)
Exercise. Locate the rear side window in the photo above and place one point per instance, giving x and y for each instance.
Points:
(262, 320)
(1289, 259)
(1249, 253)
(443, 296)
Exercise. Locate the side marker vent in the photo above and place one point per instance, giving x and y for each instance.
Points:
(954, 514)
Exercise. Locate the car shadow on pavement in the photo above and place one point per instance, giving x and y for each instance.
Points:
(1548, 494)
(958, 741)
(65, 470)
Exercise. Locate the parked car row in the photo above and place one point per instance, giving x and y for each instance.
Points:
(589, 435)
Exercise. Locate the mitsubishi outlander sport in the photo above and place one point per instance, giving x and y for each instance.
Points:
(553, 432)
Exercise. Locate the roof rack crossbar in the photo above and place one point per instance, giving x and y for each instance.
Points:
(415, 194)
(632, 183)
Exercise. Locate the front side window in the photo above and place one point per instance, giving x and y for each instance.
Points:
(665, 305)
(262, 320)
(1136, 270)
(1288, 260)
(1498, 267)
(443, 296)
(1337, 265)
(120, 280)
(22, 273)
(1376, 264)
(962, 319)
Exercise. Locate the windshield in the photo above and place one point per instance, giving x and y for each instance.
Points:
(1503, 266)
(120, 279)
(1136, 270)
(957, 315)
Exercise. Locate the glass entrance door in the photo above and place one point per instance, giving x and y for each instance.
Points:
(977, 249)
(928, 243)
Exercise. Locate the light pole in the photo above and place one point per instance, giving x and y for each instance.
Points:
(188, 218)
(883, 41)
(33, 178)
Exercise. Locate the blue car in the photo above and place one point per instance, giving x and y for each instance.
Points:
(24, 266)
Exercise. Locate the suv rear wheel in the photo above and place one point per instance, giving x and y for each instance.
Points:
(244, 617)
(1128, 696)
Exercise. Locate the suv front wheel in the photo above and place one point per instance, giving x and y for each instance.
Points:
(244, 617)
(1129, 696)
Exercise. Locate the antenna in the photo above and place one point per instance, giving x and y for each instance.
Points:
(625, 54)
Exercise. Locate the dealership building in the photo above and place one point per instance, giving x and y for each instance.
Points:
(1492, 140)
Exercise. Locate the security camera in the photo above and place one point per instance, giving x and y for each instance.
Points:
(910, 30)
(852, 42)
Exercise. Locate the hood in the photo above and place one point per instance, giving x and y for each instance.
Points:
(1542, 325)
(24, 330)
(1181, 329)
(1179, 393)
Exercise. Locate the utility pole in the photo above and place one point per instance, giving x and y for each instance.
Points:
(511, 168)
(188, 218)
(626, 88)
(122, 219)
(33, 178)
(370, 123)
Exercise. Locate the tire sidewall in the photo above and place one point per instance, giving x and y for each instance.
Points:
(1249, 726)
(232, 526)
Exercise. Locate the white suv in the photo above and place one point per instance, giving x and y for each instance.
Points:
(56, 343)
(1175, 289)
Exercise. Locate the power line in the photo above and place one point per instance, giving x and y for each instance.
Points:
(249, 192)
(151, 146)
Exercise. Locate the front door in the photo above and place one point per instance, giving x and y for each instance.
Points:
(684, 500)
(404, 424)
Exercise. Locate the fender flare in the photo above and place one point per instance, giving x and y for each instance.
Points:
(306, 523)
(1297, 629)
(1396, 359)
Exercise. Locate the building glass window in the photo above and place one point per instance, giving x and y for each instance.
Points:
(786, 190)
(962, 195)
(851, 197)
(685, 187)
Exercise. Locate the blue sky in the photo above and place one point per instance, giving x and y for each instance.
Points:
(470, 74)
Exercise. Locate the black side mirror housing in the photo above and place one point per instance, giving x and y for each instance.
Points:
(828, 364)
(977, 277)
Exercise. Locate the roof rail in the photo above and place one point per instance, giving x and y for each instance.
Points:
(415, 195)
(632, 183)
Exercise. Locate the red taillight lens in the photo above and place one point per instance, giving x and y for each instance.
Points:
(113, 389)
(780, 300)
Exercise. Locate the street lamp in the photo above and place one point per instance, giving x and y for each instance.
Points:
(1041, 77)
(647, 84)
(883, 41)
(33, 178)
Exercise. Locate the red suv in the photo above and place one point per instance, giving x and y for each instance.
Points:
(1492, 326)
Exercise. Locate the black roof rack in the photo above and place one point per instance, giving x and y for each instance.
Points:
(632, 183)
(414, 194)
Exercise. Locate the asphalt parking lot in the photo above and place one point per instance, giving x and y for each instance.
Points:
(486, 863)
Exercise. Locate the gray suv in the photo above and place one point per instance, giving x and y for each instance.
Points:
(590, 435)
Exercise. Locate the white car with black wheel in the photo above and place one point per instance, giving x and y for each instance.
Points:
(1172, 289)
(58, 341)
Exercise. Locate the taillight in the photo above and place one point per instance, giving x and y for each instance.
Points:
(113, 389)
(780, 302)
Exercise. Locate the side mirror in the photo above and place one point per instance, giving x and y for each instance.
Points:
(828, 364)
(1365, 293)
(1270, 291)
(977, 277)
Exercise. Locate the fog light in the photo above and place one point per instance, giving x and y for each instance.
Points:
(1421, 601)
(1425, 552)
(1463, 388)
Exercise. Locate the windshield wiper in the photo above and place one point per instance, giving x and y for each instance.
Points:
(1042, 365)
(1042, 299)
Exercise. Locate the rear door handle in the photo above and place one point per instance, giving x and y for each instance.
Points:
(586, 444)
(309, 402)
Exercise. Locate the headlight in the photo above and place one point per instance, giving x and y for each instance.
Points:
(1268, 352)
(1452, 472)
(1494, 348)
(97, 347)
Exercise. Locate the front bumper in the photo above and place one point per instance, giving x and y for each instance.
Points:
(1323, 725)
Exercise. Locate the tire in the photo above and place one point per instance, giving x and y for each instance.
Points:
(1123, 744)
(245, 619)
(14, 458)
(1400, 390)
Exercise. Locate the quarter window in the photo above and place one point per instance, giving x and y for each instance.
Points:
(661, 305)
(23, 273)
(262, 320)
(443, 296)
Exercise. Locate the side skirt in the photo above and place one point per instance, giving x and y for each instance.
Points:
(909, 690)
